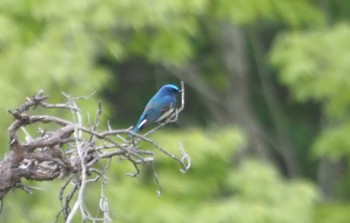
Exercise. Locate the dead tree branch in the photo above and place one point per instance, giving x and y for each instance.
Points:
(72, 150)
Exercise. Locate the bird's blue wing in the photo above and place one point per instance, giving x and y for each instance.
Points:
(155, 108)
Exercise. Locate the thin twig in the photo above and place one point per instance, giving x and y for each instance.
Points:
(73, 150)
(160, 190)
(97, 119)
(79, 203)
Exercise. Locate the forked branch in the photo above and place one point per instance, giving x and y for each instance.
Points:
(72, 150)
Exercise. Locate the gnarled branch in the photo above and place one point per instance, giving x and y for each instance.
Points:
(72, 151)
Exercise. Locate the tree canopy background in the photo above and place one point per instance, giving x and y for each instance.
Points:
(267, 105)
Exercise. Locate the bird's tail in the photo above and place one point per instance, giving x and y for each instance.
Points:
(140, 124)
(134, 130)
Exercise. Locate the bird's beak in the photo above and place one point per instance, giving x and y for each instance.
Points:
(180, 91)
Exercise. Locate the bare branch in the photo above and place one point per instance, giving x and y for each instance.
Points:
(79, 203)
(96, 122)
(72, 151)
(159, 191)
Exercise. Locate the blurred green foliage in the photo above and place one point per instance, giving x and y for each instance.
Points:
(246, 12)
(76, 47)
(332, 212)
(314, 65)
(212, 191)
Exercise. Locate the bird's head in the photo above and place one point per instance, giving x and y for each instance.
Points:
(169, 89)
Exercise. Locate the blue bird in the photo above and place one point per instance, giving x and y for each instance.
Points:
(160, 106)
